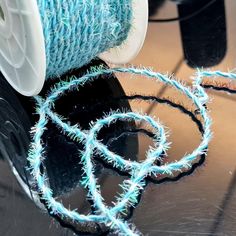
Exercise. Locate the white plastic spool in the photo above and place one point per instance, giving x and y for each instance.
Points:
(22, 47)
(134, 43)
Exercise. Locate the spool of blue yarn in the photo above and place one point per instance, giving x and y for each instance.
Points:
(75, 31)
(46, 38)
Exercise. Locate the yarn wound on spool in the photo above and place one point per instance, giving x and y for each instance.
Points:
(76, 32)
(43, 39)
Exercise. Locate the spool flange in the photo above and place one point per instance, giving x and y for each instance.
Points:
(133, 44)
(22, 50)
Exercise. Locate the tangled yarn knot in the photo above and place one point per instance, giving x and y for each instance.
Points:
(111, 216)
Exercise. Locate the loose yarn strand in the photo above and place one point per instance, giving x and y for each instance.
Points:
(138, 171)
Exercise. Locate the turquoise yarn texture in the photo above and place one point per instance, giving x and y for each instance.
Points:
(76, 31)
(132, 188)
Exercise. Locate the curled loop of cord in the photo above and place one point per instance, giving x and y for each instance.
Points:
(138, 171)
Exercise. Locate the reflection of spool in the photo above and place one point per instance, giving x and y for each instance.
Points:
(14, 132)
(28, 36)
(62, 155)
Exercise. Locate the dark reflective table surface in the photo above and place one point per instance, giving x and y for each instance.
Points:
(200, 202)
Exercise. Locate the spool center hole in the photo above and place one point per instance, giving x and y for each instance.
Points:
(2, 16)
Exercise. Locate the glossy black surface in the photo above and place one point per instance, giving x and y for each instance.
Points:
(199, 202)
(63, 160)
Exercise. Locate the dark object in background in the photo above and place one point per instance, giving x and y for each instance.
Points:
(184, 1)
(203, 30)
(154, 5)
(62, 155)
(204, 36)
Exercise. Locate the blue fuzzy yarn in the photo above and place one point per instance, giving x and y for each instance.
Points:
(76, 31)
(138, 171)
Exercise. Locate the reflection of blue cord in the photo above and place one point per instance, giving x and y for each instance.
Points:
(138, 171)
